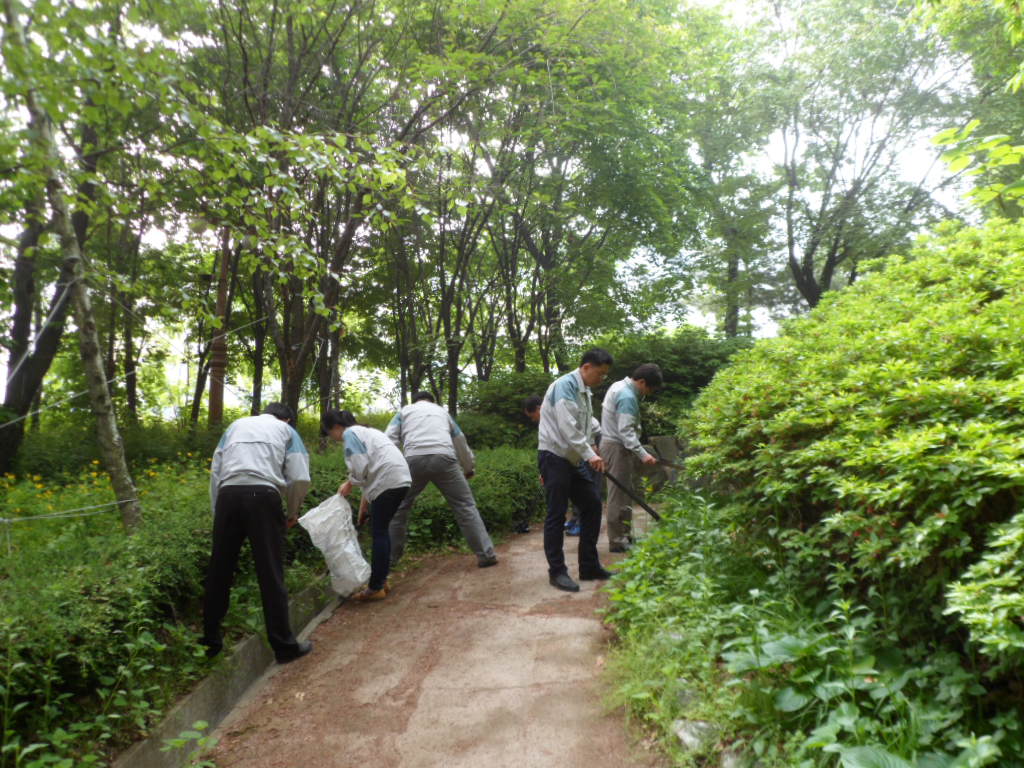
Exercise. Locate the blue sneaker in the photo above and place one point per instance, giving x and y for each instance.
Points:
(572, 528)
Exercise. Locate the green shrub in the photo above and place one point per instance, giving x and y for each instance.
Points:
(65, 447)
(706, 633)
(879, 440)
(689, 358)
(489, 430)
(491, 412)
(98, 629)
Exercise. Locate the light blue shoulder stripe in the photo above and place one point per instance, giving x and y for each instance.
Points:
(626, 402)
(455, 427)
(396, 420)
(353, 444)
(295, 445)
(564, 388)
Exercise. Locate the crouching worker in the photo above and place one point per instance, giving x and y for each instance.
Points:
(376, 466)
(259, 461)
(437, 452)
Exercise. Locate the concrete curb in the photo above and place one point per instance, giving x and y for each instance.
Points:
(215, 696)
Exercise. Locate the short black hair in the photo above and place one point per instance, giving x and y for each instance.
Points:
(532, 403)
(280, 411)
(597, 356)
(650, 373)
(333, 418)
(422, 395)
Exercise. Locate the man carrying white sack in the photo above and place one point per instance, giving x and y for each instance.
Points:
(437, 452)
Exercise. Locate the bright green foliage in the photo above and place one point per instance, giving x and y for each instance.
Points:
(709, 634)
(98, 629)
(879, 439)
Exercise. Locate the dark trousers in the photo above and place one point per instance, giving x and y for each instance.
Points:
(565, 482)
(250, 512)
(382, 509)
(596, 480)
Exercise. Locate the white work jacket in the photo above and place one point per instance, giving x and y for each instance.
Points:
(426, 428)
(374, 464)
(567, 419)
(262, 450)
(620, 416)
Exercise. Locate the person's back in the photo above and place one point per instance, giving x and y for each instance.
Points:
(369, 453)
(437, 452)
(259, 463)
(256, 450)
(425, 428)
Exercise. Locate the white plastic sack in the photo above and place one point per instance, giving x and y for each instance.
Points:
(331, 529)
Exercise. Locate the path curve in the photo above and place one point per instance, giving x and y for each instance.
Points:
(460, 666)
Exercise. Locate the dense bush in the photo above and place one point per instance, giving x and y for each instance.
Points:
(878, 442)
(98, 628)
(65, 447)
(689, 358)
(491, 412)
(712, 638)
(490, 430)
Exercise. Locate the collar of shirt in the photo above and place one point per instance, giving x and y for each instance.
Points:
(579, 378)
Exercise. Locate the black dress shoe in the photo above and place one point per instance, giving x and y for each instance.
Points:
(486, 562)
(594, 574)
(213, 647)
(617, 548)
(298, 653)
(564, 582)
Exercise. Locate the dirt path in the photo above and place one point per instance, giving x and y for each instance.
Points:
(460, 666)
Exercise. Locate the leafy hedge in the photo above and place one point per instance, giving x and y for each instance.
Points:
(878, 443)
(491, 412)
(711, 636)
(689, 358)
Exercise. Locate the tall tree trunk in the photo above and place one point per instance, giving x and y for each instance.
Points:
(131, 384)
(110, 354)
(259, 338)
(28, 362)
(219, 346)
(111, 447)
(202, 369)
(732, 300)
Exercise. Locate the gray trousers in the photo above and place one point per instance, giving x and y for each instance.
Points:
(444, 472)
(622, 463)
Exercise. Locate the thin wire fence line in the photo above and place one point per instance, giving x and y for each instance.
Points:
(60, 402)
(99, 509)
